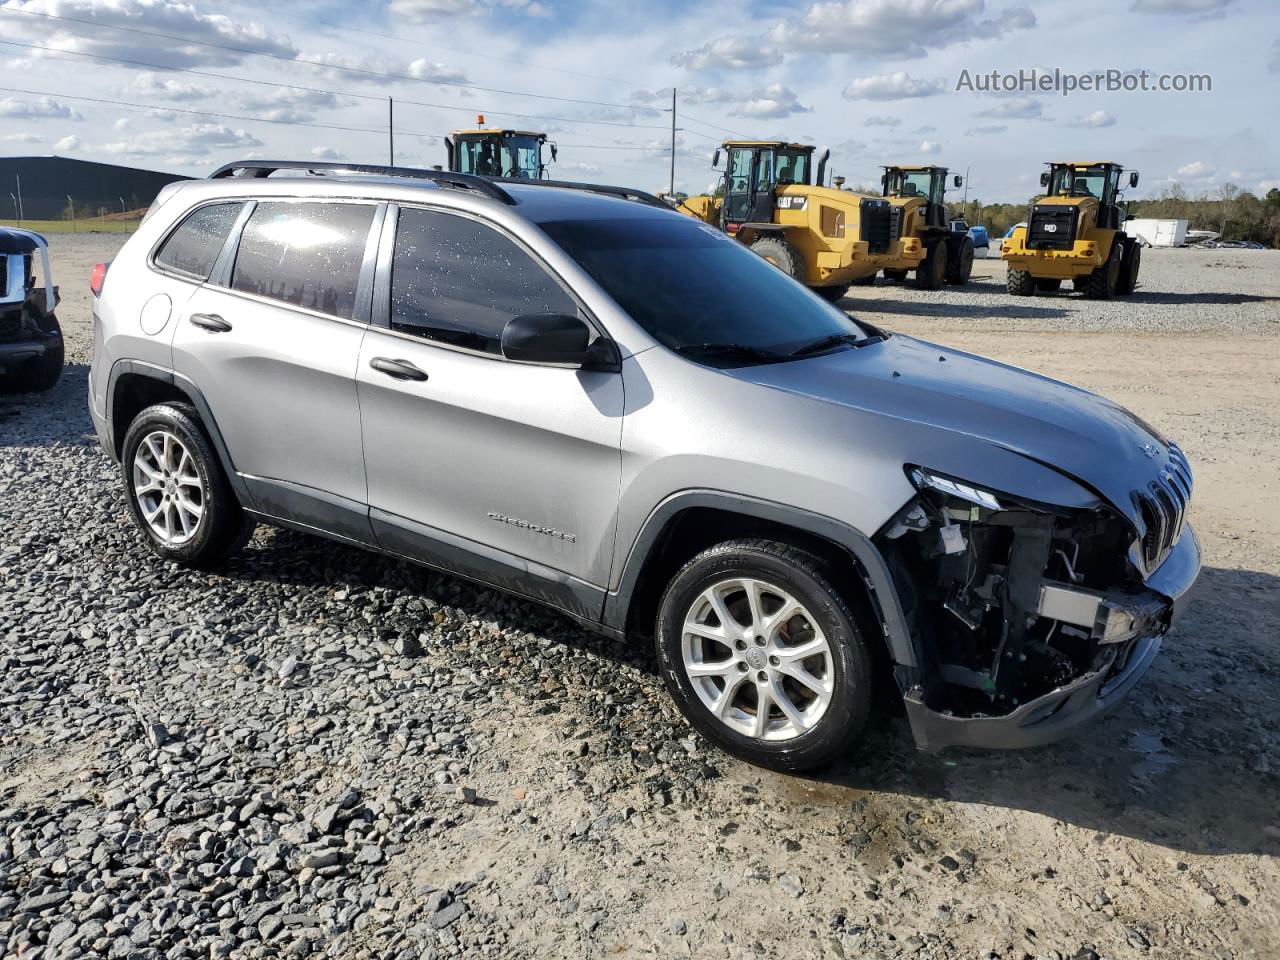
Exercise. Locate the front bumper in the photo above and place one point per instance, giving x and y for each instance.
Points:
(17, 353)
(1061, 712)
(1082, 258)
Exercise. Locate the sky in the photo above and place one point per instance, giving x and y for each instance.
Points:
(186, 85)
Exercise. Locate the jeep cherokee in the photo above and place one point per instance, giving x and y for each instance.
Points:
(577, 395)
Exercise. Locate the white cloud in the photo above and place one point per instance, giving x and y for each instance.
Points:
(21, 138)
(122, 124)
(576, 166)
(193, 141)
(288, 104)
(732, 53)
(1197, 170)
(1191, 7)
(439, 72)
(769, 103)
(67, 144)
(883, 122)
(149, 84)
(891, 86)
(1018, 108)
(895, 28)
(1099, 118)
(326, 153)
(927, 128)
(172, 18)
(428, 11)
(986, 131)
(44, 108)
(930, 146)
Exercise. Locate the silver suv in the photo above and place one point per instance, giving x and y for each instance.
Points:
(579, 396)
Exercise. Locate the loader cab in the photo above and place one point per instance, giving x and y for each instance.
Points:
(499, 153)
(1081, 182)
(927, 183)
(752, 173)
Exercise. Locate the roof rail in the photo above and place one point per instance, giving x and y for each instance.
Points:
(624, 193)
(258, 169)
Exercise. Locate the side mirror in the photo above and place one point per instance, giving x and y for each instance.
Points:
(1044, 179)
(1133, 179)
(551, 338)
(554, 153)
(715, 159)
(958, 182)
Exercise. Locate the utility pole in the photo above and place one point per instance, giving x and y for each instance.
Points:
(72, 204)
(965, 203)
(672, 191)
(18, 178)
(391, 131)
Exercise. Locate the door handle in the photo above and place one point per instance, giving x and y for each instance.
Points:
(399, 369)
(209, 321)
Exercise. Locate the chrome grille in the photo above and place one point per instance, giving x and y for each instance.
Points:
(1163, 507)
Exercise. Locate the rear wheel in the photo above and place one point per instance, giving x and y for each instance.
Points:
(782, 254)
(1048, 284)
(177, 491)
(1129, 268)
(763, 655)
(895, 275)
(1021, 283)
(1102, 283)
(959, 262)
(831, 294)
(933, 268)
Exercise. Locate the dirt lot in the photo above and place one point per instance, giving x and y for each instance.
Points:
(277, 759)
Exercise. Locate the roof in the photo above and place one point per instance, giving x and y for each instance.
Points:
(1083, 163)
(897, 166)
(496, 131)
(769, 143)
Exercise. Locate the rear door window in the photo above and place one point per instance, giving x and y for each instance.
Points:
(194, 246)
(459, 281)
(305, 254)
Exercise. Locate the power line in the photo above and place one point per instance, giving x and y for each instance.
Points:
(714, 126)
(337, 93)
(314, 63)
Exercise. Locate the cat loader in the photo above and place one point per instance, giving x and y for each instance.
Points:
(493, 152)
(771, 199)
(917, 209)
(1075, 232)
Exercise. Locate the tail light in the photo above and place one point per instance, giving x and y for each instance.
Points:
(98, 277)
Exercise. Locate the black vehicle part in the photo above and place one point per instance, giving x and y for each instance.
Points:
(1048, 284)
(782, 253)
(895, 275)
(932, 270)
(959, 259)
(1129, 267)
(832, 294)
(1101, 284)
(1021, 283)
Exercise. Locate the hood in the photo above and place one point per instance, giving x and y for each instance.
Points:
(1095, 442)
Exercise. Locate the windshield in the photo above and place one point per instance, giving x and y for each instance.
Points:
(914, 183)
(792, 166)
(692, 287)
(1078, 182)
(513, 157)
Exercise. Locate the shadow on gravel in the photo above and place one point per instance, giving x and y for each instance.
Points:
(1199, 297)
(59, 415)
(1188, 762)
(952, 308)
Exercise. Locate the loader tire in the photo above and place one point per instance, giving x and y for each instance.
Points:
(782, 254)
(932, 270)
(1129, 268)
(959, 262)
(1102, 283)
(1021, 283)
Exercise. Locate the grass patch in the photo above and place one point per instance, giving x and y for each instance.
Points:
(86, 225)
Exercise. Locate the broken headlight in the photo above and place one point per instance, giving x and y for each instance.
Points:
(926, 478)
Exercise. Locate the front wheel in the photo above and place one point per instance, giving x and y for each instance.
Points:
(1129, 268)
(933, 268)
(831, 294)
(177, 491)
(763, 655)
(1021, 283)
(960, 262)
(782, 254)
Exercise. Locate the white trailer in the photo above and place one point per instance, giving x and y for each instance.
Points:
(1158, 233)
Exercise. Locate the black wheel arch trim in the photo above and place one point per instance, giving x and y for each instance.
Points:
(869, 559)
(187, 386)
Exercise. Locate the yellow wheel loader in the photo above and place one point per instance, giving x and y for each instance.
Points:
(1075, 232)
(917, 209)
(498, 153)
(824, 237)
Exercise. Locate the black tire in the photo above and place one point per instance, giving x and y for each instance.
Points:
(1048, 284)
(933, 268)
(806, 579)
(1021, 283)
(223, 527)
(1102, 283)
(868, 281)
(1129, 268)
(831, 294)
(42, 372)
(959, 262)
(897, 276)
(782, 254)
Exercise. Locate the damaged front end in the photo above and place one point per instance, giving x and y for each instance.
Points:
(1029, 619)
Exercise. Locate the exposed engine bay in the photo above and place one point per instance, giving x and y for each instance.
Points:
(1010, 600)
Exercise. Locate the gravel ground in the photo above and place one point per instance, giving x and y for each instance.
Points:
(320, 752)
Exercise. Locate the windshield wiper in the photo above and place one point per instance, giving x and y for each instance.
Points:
(732, 351)
(826, 343)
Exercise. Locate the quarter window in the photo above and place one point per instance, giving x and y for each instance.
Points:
(458, 281)
(194, 246)
(305, 254)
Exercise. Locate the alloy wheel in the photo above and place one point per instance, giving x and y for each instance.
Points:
(167, 487)
(757, 659)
